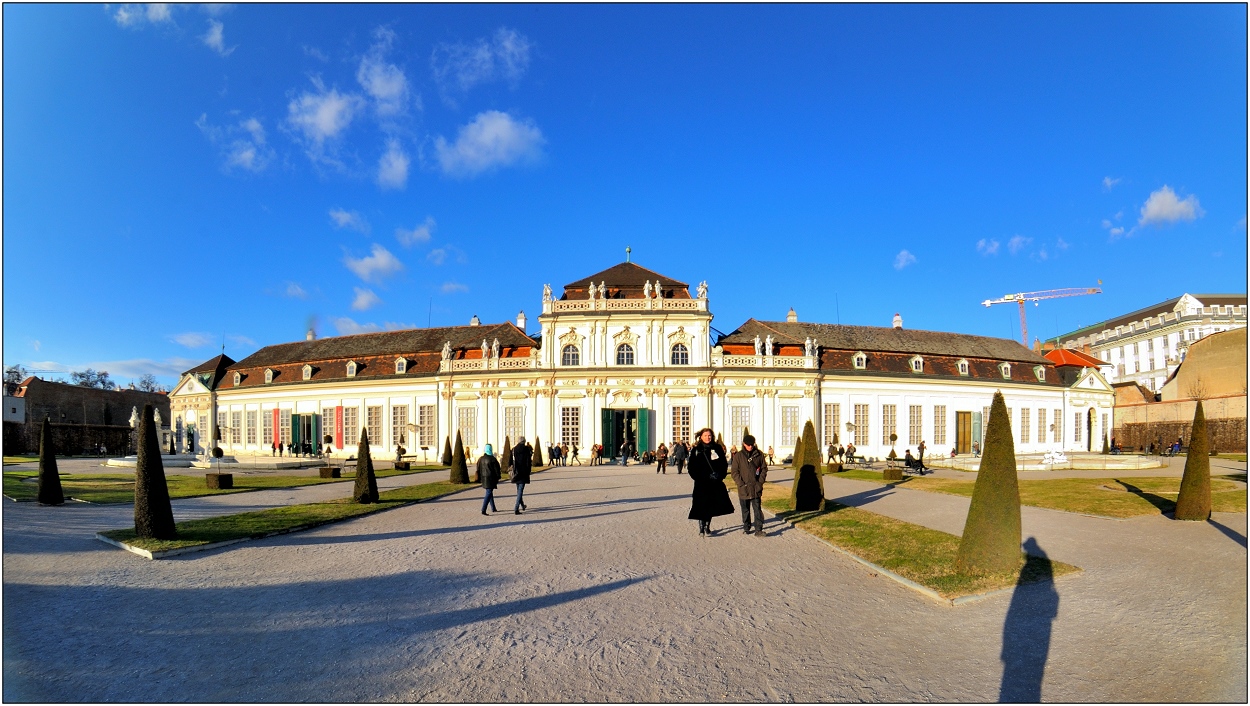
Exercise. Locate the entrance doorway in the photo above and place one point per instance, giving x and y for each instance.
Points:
(618, 426)
(1089, 430)
(963, 432)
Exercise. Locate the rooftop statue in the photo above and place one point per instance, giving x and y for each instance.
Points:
(591, 291)
(757, 344)
(546, 292)
(768, 345)
(446, 350)
(702, 289)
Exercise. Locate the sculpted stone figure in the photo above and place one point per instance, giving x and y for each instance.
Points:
(446, 350)
(591, 291)
(768, 345)
(646, 290)
(494, 348)
(702, 290)
(757, 344)
(603, 290)
(807, 347)
(546, 292)
(485, 348)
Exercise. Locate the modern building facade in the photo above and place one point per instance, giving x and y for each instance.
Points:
(627, 354)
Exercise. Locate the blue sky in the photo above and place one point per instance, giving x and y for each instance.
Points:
(176, 177)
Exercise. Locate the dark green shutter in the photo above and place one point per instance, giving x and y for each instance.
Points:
(609, 440)
(644, 430)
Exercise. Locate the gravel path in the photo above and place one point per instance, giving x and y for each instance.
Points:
(603, 591)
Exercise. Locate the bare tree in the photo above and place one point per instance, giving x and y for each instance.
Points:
(15, 374)
(90, 378)
(1197, 389)
(147, 383)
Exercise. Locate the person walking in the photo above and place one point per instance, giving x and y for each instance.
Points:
(920, 455)
(841, 452)
(831, 452)
(522, 457)
(679, 455)
(770, 456)
(624, 453)
(564, 454)
(576, 461)
(708, 468)
(750, 472)
(488, 473)
(661, 459)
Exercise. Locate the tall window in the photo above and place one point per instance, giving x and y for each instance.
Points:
(373, 425)
(939, 424)
(514, 423)
(915, 418)
(223, 421)
(351, 425)
(327, 423)
(251, 426)
(861, 425)
(1024, 425)
(571, 426)
(739, 419)
(399, 425)
(889, 422)
(624, 354)
(266, 427)
(236, 427)
(681, 424)
(570, 356)
(1076, 427)
(1058, 417)
(284, 425)
(1104, 427)
(466, 424)
(1041, 426)
(425, 425)
(833, 417)
(985, 425)
(680, 355)
(789, 425)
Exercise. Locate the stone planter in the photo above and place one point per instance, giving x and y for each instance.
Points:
(895, 473)
(219, 481)
(833, 468)
(403, 465)
(332, 472)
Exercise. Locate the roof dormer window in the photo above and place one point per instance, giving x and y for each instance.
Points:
(963, 367)
(351, 368)
(401, 366)
(268, 375)
(238, 378)
(307, 372)
(1040, 372)
(917, 364)
(859, 361)
(1005, 369)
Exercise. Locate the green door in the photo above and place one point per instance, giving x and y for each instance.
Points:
(295, 429)
(316, 431)
(609, 440)
(644, 430)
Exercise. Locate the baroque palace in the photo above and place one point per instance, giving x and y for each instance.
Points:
(627, 354)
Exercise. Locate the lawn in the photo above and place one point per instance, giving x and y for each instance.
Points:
(252, 525)
(12, 460)
(923, 555)
(1120, 497)
(120, 487)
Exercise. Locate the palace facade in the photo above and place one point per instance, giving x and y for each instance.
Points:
(628, 354)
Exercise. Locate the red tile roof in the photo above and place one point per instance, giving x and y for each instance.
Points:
(1066, 356)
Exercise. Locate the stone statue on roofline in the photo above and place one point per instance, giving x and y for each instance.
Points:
(768, 345)
(546, 292)
(807, 347)
(446, 350)
(702, 290)
(494, 348)
(757, 344)
(591, 292)
(646, 290)
(603, 290)
(485, 348)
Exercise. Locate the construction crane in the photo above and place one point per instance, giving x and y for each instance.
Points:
(1036, 297)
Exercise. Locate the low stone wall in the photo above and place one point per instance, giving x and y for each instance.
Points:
(70, 439)
(1226, 435)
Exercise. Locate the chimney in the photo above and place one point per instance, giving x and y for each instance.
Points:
(310, 336)
(792, 317)
(520, 320)
(898, 320)
(475, 321)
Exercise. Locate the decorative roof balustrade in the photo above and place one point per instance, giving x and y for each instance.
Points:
(558, 306)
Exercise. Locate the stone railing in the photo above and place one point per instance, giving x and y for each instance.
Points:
(765, 361)
(653, 304)
(514, 363)
(470, 364)
(480, 364)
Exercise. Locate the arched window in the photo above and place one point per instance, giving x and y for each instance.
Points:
(859, 361)
(1005, 369)
(401, 366)
(351, 368)
(624, 354)
(963, 367)
(268, 375)
(680, 355)
(569, 355)
(307, 372)
(917, 364)
(238, 378)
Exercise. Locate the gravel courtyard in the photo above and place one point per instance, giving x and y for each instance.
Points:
(603, 591)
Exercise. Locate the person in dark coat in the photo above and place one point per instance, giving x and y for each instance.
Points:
(522, 458)
(489, 473)
(707, 468)
(679, 455)
(749, 472)
(661, 459)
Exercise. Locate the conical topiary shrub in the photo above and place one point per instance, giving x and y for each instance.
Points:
(366, 489)
(537, 462)
(446, 459)
(154, 516)
(1106, 448)
(797, 460)
(1194, 501)
(172, 450)
(459, 467)
(505, 460)
(50, 492)
(719, 441)
(808, 491)
(991, 539)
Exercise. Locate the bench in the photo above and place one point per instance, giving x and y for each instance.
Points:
(858, 461)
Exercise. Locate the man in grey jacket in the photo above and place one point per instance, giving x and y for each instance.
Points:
(750, 470)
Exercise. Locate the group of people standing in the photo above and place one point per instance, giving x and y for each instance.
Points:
(561, 454)
(677, 455)
(708, 468)
(490, 474)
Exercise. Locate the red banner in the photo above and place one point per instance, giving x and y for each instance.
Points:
(338, 427)
(277, 431)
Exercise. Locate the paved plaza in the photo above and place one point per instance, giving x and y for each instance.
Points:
(603, 591)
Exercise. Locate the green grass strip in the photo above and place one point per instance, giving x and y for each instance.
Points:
(261, 523)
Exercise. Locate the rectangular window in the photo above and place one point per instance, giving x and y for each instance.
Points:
(236, 427)
(681, 424)
(939, 424)
(351, 425)
(985, 425)
(1041, 426)
(888, 423)
(466, 424)
(425, 425)
(399, 425)
(284, 424)
(1105, 431)
(1058, 417)
(833, 418)
(861, 425)
(514, 423)
(266, 427)
(327, 424)
(251, 426)
(739, 419)
(1025, 427)
(219, 434)
(915, 419)
(789, 425)
(1076, 427)
(373, 425)
(571, 426)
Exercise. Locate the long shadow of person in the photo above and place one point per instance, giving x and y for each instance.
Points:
(1026, 631)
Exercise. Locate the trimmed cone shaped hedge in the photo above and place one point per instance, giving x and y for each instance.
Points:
(1194, 501)
(537, 461)
(50, 492)
(797, 460)
(506, 459)
(366, 489)
(808, 491)
(446, 459)
(991, 540)
(154, 516)
(459, 467)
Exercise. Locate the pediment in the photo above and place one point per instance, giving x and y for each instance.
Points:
(188, 386)
(625, 336)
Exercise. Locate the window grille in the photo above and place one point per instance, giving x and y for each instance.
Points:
(624, 354)
(466, 424)
(1076, 427)
(861, 425)
(570, 355)
(888, 422)
(571, 426)
(425, 425)
(351, 425)
(373, 425)
(251, 427)
(514, 423)
(1041, 426)
(939, 424)
(266, 426)
(681, 424)
(789, 424)
(399, 425)
(284, 424)
(915, 419)
(833, 418)
(1024, 425)
(739, 419)
(236, 427)
(1058, 417)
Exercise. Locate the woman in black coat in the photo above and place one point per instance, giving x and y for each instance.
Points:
(708, 467)
(522, 461)
(489, 474)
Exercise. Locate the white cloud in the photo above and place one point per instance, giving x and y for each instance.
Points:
(452, 287)
(316, 53)
(903, 259)
(322, 116)
(397, 325)
(192, 339)
(1018, 243)
(365, 299)
(215, 38)
(437, 256)
(1116, 232)
(420, 234)
(987, 247)
(36, 345)
(1163, 207)
(1061, 244)
(238, 339)
(243, 146)
(1042, 254)
(119, 370)
(295, 291)
(136, 15)
(493, 139)
(506, 55)
(377, 266)
(393, 166)
(384, 82)
(349, 219)
(1108, 183)
(347, 327)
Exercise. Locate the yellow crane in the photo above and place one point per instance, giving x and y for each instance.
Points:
(1035, 297)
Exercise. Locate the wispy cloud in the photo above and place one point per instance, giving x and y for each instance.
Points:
(1108, 183)
(393, 166)
(124, 369)
(452, 287)
(987, 247)
(295, 291)
(342, 218)
(136, 15)
(215, 38)
(493, 139)
(1163, 207)
(460, 66)
(437, 256)
(365, 299)
(320, 117)
(346, 326)
(316, 53)
(1018, 243)
(375, 267)
(238, 339)
(243, 145)
(903, 259)
(384, 82)
(1061, 244)
(419, 234)
(192, 339)
(397, 325)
